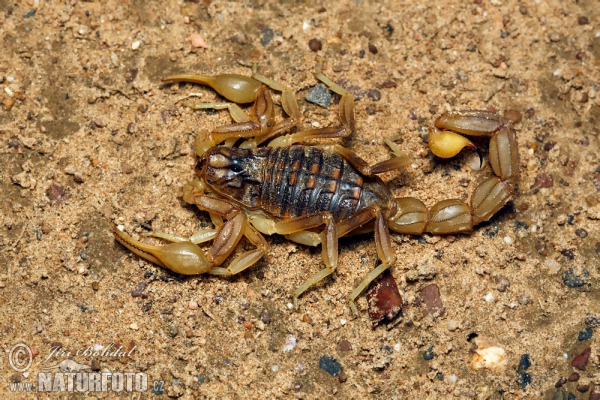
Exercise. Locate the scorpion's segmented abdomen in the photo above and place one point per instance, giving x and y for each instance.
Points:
(301, 180)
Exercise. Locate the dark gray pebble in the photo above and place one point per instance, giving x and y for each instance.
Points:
(585, 334)
(330, 365)
(320, 95)
(428, 354)
(267, 36)
(571, 280)
(524, 378)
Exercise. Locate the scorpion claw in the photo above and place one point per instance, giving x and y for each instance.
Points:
(183, 257)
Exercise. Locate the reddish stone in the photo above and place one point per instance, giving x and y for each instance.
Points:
(581, 360)
(384, 299)
(595, 395)
(544, 180)
(430, 295)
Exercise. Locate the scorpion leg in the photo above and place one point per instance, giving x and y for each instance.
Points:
(200, 236)
(369, 170)
(383, 244)
(228, 236)
(453, 215)
(329, 239)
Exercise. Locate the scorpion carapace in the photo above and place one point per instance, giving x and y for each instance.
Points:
(315, 194)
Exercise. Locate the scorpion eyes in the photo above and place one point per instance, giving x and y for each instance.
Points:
(236, 167)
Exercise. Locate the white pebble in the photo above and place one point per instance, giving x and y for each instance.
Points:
(489, 356)
(452, 325)
(489, 297)
(397, 347)
(290, 343)
(553, 266)
(134, 326)
(98, 347)
(305, 25)
(275, 368)
(299, 367)
(452, 379)
(26, 374)
(290, 305)
(565, 356)
(193, 305)
(508, 240)
(343, 322)
(135, 45)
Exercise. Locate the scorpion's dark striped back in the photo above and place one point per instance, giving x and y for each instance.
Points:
(286, 182)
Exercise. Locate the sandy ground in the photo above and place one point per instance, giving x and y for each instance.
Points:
(90, 139)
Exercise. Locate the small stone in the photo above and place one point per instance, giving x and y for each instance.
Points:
(134, 326)
(189, 334)
(265, 317)
(374, 94)
(430, 296)
(173, 331)
(342, 377)
(554, 37)
(581, 233)
(267, 36)
(389, 84)
(373, 49)
(247, 325)
(524, 378)
(523, 9)
(384, 299)
(8, 103)
(583, 388)
(330, 365)
(573, 281)
(98, 123)
(56, 345)
(197, 41)
(136, 45)
(560, 383)
(594, 395)
(137, 292)
(580, 361)
(345, 345)
(543, 180)
(95, 365)
(583, 20)
(315, 45)
(320, 95)
(585, 334)
(428, 354)
(95, 286)
(193, 305)
(574, 377)
(513, 116)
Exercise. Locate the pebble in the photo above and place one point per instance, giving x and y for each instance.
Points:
(581, 233)
(267, 36)
(197, 41)
(330, 365)
(374, 94)
(265, 317)
(543, 180)
(585, 334)
(136, 45)
(320, 95)
(488, 356)
(430, 296)
(373, 49)
(583, 20)
(290, 343)
(189, 334)
(513, 115)
(580, 361)
(574, 377)
(8, 103)
(315, 45)
(571, 280)
(428, 354)
(344, 345)
(173, 331)
(137, 292)
(134, 326)
(389, 84)
(560, 383)
(193, 305)
(594, 395)
(384, 299)
(95, 286)
(524, 378)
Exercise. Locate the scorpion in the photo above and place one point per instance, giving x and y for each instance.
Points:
(315, 194)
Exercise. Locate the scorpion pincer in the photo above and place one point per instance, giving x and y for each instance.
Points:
(315, 194)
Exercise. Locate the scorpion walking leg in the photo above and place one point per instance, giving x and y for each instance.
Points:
(382, 242)
(329, 239)
(453, 215)
(228, 236)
